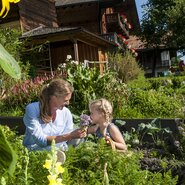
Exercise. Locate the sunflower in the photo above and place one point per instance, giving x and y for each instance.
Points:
(6, 7)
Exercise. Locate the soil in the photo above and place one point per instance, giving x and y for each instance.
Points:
(152, 161)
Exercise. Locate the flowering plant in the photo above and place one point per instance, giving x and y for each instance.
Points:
(85, 121)
(68, 64)
(54, 167)
(125, 21)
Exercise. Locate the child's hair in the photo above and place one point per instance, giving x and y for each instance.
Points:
(57, 87)
(102, 105)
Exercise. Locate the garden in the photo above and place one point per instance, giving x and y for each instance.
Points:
(155, 153)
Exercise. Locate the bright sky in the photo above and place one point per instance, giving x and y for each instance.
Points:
(139, 3)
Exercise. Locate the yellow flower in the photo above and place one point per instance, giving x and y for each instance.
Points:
(59, 168)
(47, 164)
(59, 181)
(52, 179)
(6, 6)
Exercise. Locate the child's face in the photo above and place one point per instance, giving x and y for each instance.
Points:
(96, 117)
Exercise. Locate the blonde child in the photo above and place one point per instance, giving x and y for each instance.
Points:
(101, 116)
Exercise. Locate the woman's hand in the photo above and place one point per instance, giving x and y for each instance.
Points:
(78, 133)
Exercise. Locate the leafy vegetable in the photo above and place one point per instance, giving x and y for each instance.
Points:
(8, 156)
(9, 64)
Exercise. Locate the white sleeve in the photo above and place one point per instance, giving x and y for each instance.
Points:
(68, 121)
(33, 125)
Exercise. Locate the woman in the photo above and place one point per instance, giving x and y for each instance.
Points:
(49, 119)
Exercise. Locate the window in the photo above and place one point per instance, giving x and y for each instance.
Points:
(165, 58)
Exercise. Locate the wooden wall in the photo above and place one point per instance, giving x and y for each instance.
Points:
(36, 13)
(80, 16)
(60, 50)
(87, 52)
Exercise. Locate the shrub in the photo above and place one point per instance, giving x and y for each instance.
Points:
(173, 82)
(125, 65)
(29, 166)
(9, 38)
(89, 84)
(154, 103)
(92, 163)
(23, 93)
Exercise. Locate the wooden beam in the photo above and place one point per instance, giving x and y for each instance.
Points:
(50, 62)
(101, 58)
(75, 44)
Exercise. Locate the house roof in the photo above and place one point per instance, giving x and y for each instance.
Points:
(139, 45)
(136, 43)
(43, 34)
(72, 2)
(76, 2)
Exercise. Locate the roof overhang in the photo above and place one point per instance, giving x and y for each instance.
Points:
(67, 3)
(43, 34)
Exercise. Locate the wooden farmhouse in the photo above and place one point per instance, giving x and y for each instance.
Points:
(155, 61)
(84, 29)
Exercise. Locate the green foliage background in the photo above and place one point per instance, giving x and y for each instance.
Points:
(84, 165)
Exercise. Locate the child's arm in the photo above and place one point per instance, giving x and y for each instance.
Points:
(117, 138)
(92, 129)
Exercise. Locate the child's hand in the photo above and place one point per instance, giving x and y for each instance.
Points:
(108, 139)
(110, 142)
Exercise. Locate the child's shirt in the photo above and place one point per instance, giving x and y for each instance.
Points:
(98, 134)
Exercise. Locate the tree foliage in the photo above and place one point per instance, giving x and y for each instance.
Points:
(163, 23)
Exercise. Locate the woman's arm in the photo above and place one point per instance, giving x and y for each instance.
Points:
(34, 132)
(78, 133)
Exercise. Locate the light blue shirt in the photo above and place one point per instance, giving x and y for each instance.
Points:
(35, 137)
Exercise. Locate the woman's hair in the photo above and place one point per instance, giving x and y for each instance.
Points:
(102, 105)
(57, 87)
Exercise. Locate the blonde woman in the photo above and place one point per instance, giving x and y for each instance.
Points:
(49, 119)
(101, 116)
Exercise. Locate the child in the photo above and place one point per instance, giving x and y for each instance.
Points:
(101, 115)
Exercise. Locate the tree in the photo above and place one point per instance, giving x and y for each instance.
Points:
(163, 23)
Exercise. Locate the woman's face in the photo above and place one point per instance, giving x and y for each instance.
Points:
(59, 102)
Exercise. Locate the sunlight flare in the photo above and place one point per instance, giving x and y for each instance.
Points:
(6, 7)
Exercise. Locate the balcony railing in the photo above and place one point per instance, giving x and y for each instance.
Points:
(115, 24)
(113, 37)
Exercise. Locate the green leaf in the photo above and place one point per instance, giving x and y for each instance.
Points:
(9, 64)
(8, 157)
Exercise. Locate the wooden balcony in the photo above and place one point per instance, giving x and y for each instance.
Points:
(114, 23)
(113, 37)
(110, 3)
